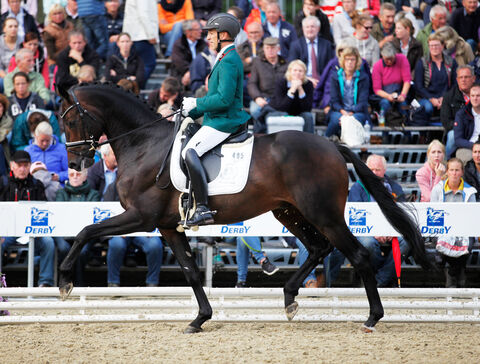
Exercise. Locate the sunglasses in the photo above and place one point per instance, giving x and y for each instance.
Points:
(367, 28)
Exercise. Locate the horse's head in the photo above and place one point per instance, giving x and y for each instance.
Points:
(82, 130)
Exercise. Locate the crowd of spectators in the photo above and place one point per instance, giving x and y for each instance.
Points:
(349, 59)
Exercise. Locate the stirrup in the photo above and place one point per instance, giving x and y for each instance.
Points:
(201, 218)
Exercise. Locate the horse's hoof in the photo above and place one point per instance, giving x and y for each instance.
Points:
(291, 310)
(192, 330)
(367, 330)
(65, 291)
(180, 229)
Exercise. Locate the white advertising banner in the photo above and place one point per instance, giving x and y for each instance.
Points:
(363, 219)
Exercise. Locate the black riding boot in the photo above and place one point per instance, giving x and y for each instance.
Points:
(198, 179)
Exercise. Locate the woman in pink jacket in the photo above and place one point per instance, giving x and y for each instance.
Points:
(432, 171)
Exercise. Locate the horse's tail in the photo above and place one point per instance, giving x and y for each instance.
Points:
(395, 215)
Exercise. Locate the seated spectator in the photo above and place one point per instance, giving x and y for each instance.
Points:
(455, 46)
(246, 246)
(254, 11)
(40, 65)
(21, 186)
(472, 169)
(6, 124)
(45, 147)
(86, 74)
(294, 95)
(348, 91)
(454, 189)
(94, 25)
(55, 34)
(204, 9)
(104, 172)
(434, 75)
(371, 7)
(342, 22)
(22, 99)
(384, 31)
(432, 171)
(200, 68)
(124, 62)
(27, 22)
(252, 47)
(129, 85)
(312, 49)
(240, 15)
(72, 14)
(170, 92)
(363, 40)
(466, 21)
(50, 182)
(466, 127)
(391, 79)
(266, 71)
(69, 61)
(406, 44)
(9, 44)
(310, 7)
(275, 27)
(438, 19)
(30, 6)
(25, 124)
(455, 99)
(171, 15)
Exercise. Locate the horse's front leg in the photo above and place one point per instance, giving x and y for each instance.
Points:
(128, 222)
(181, 249)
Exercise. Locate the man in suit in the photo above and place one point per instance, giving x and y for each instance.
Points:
(222, 109)
(274, 26)
(104, 172)
(312, 49)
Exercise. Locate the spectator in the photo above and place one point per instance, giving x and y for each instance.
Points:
(86, 74)
(434, 74)
(141, 22)
(391, 79)
(129, 85)
(455, 46)
(48, 4)
(294, 95)
(170, 92)
(454, 189)
(69, 61)
(312, 49)
(275, 27)
(255, 12)
(94, 25)
(200, 68)
(114, 19)
(342, 22)
(125, 63)
(9, 44)
(476, 65)
(6, 124)
(186, 49)
(438, 19)
(30, 6)
(22, 99)
(466, 21)
(310, 7)
(40, 65)
(406, 44)
(266, 71)
(55, 34)
(25, 63)
(247, 245)
(363, 40)
(204, 9)
(252, 47)
(171, 15)
(72, 14)
(466, 128)
(238, 13)
(384, 31)
(432, 171)
(26, 22)
(348, 91)
(371, 7)
(39, 170)
(21, 186)
(453, 100)
(46, 148)
(103, 172)
(472, 169)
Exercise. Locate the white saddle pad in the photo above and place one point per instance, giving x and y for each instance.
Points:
(235, 164)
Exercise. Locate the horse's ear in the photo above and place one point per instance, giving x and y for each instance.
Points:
(61, 92)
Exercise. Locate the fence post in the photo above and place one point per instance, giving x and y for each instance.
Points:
(31, 261)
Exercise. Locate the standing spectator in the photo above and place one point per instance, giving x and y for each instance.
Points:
(204, 9)
(252, 47)
(9, 44)
(406, 44)
(104, 172)
(275, 27)
(384, 31)
(22, 99)
(455, 46)
(454, 100)
(438, 19)
(94, 23)
(185, 50)
(472, 169)
(72, 14)
(466, 21)
(432, 171)
(6, 124)
(69, 61)
(363, 40)
(141, 22)
(170, 93)
(21, 186)
(171, 15)
(342, 23)
(310, 7)
(26, 22)
(454, 189)
(114, 16)
(55, 34)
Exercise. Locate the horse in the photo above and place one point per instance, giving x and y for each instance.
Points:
(302, 178)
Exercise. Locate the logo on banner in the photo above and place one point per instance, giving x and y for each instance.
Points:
(357, 221)
(436, 222)
(237, 228)
(100, 215)
(39, 222)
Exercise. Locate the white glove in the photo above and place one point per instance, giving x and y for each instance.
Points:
(189, 103)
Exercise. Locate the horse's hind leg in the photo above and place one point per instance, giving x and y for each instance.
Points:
(181, 249)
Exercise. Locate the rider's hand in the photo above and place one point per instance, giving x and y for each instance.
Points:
(189, 103)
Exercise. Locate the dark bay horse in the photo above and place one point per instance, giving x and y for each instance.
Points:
(302, 178)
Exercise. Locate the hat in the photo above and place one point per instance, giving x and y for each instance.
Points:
(271, 41)
(36, 166)
(21, 156)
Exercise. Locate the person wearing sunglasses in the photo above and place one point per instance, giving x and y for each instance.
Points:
(363, 40)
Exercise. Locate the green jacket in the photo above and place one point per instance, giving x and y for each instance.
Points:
(222, 107)
(80, 193)
(37, 84)
(422, 37)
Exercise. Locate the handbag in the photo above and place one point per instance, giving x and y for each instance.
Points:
(395, 118)
(452, 246)
(352, 132)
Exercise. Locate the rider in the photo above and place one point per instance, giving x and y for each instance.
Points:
(221, 107)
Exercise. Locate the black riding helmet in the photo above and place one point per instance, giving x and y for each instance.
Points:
(223, 22)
